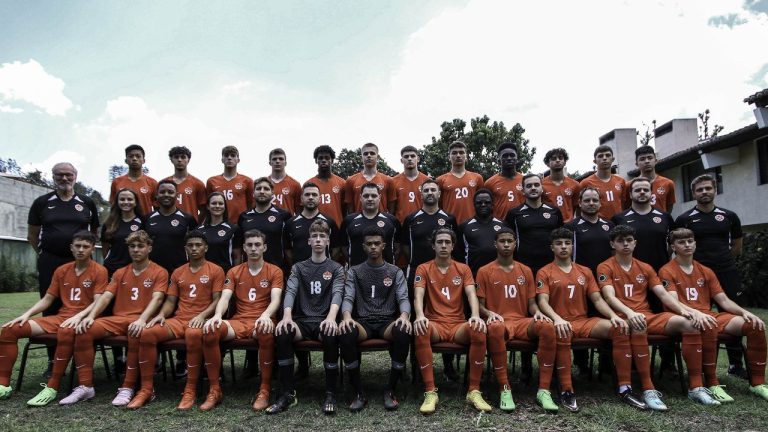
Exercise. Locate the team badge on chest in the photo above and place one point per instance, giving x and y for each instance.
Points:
(335, 189)
(441, 222)
(640, 279)
(700, 282)
(238, 186)
(147, 283)
(134, 227)
(87, 283)
(78, 207)
(456, 280)
(286, 191)
(472, 183)
(656, 219)
(387, 281)
(380, 224)
(581, 280)
(175, 222)
(719, 218)
(188, 190)
(271, 218)
(547, 215)
(264, 283)
(204, 279)
(327, 275)
(521, 280)
(144, 189)
(222, 233)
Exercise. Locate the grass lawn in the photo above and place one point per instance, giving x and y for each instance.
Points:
(600, 410)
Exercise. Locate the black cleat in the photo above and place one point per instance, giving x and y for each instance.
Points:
(329, 404)
(358, 403)
(632, 399)
(285, 401)
(390, 402)
(568, 399)
(738, 371)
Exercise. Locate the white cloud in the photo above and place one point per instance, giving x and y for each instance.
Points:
(10, 109)
(77, 159)
(29, 82)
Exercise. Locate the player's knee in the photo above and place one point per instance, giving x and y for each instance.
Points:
(330, 343)
(400, 337)
(709, 335)
(423, 340)
(545, 331)
(285, 338)
(496, 330)
(349, 339)
(65, 335)
(266, 340)
(476, 337)
(211, 338)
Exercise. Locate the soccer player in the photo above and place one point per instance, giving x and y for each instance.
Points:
(297, 228)
(476, 235)
(257, 287)
(697, 287)
(626, 284)
(168, 225)
(76, 285)
(458, 186)
(719, 241)
(268, 219)
(662, 188)
(124, 218)
(236, 188)
(612, 188)
(143, 185)
(562, 289)
(355, 224)
(138, 290)
(439, 311)
(560, 190)
(507, 185)
(375, 305)
(312, 300)
(190, 190)
(331, 186)
(651, 225)
(369, 174)
(219, 232)
(507, 295)
(288, 195)
(407, 184)
(195, 287)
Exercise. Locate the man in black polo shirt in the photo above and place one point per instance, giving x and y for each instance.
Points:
(297, 228)
(53, 219)
(355, 224)
(168, 226)
(477, 236)
(266, 218)
(718, 242)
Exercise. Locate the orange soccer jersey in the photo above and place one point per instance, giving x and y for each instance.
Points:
(238, 191)
(457, 194)
(443, 301)
(407, 194)
(331, 196)
(190, 195)
(507, 194)
(696, 289)
(662, 193)
(568, 292)
(253, 292)
(506, 293)
(565, 195)
(287, 194)
(145, 187)
(631, 286)
(612, 193)
(195, 289)
(356, 181)
(133, 292)
(76, 292)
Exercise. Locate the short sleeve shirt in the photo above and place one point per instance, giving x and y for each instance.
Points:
(568, 292)
(507, 193)
(631, 285)
(133, 292)
(612, 193)
(76, 292)
(238, 192)
(145, 187)
(195, 289)
(457, 194)
(696, 289)
(506, 293)
(253, 293)
(443, 296)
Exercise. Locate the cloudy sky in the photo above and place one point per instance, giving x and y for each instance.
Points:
(80, 80)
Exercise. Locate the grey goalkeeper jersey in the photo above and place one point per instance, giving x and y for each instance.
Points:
(312, 288)
(372, 293)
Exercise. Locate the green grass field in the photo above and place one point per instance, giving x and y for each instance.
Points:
(600, 410)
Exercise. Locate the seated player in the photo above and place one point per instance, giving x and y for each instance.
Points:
(375, 306)
(625, 282)
(196, 288)
(257, 286)
(75, 284)
(439, 309)
(507, 295)
(697, 287)
(562, 289)
(313, 296)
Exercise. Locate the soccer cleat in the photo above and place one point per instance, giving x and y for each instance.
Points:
(46, 396)
(720, 395)
(703, 396)
(187, 400)
(631, 399)
(5, 392)
(141, 398)
(653, 400)
(123, 398)
(568, 399)
(544, 398)
(80, 393)
(329, 404)
(475, 398)
(390, 402)
(262, 401)
(358, 403)
(285, 401)
(760, 390)
(738, 371)
(506, 403)
(430, 402)
(212, 400)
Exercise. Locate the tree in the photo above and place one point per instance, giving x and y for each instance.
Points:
(116, 171)
(10, 166)
(350, 162)
(648, 136)
(704, 127)
(482, 141)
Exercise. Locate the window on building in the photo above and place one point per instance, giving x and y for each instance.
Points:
(694, 169)
(762, 161)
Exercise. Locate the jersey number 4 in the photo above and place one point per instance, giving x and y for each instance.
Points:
(444, 291)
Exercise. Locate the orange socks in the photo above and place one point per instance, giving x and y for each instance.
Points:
(193, 337)
(642, 357)
(546, 353)
(476, 357)
(497, 346)
(709, 356)
(622, 357)
(266, 358)
(212, 354)
(756, 353)
(424, 358)
(692, 356)
(9, 349)
(65, 345)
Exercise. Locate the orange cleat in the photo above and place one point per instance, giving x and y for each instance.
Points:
(212, 400)
(187, 400)
(141, 398)
(262, 400)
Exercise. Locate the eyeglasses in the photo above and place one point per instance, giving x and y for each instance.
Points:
(68, 175)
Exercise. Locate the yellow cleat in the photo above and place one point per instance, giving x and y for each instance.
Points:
(430, 402)
(475, 398)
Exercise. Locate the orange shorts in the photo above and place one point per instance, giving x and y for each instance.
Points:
(50, 324)
(583, 327)
(723, 318)
(177, 326)
(244, 327)
(656, 323)
(518, 329)
(116, 325)
(446, 331)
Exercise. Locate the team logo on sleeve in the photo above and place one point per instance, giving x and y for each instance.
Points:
(472, 183)
(719, 218)
(148, 283)
(568, 191)
(521, 280)
(441, 222)
(640, 278)
(335, 189)
(204, 279)
(539, 284)
(547, 215)
(264, 283)
(175, 222)
(700, 282)
(581, 280)
(222, 233)
(238, 186)
(656, 219)
(456, 280)
(417, 279)
(605, 227)
(602, 277)
(286, 191)
(87, 283)
(496, 227)
(78, 207)
(271, 218)
(661, 191)
(144, 189)
(380, 224)
(188, 190)
(387, 281)
(134, 227)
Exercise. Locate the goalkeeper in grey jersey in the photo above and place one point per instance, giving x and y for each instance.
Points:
(375, 306)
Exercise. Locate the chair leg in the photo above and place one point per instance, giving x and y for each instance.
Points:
(106, 362)
(466, 369)
(23, 366)
(232, 364)
(164, 365)
(679, 364)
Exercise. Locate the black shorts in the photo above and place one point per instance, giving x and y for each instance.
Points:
(375, 328)
(310, 330)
